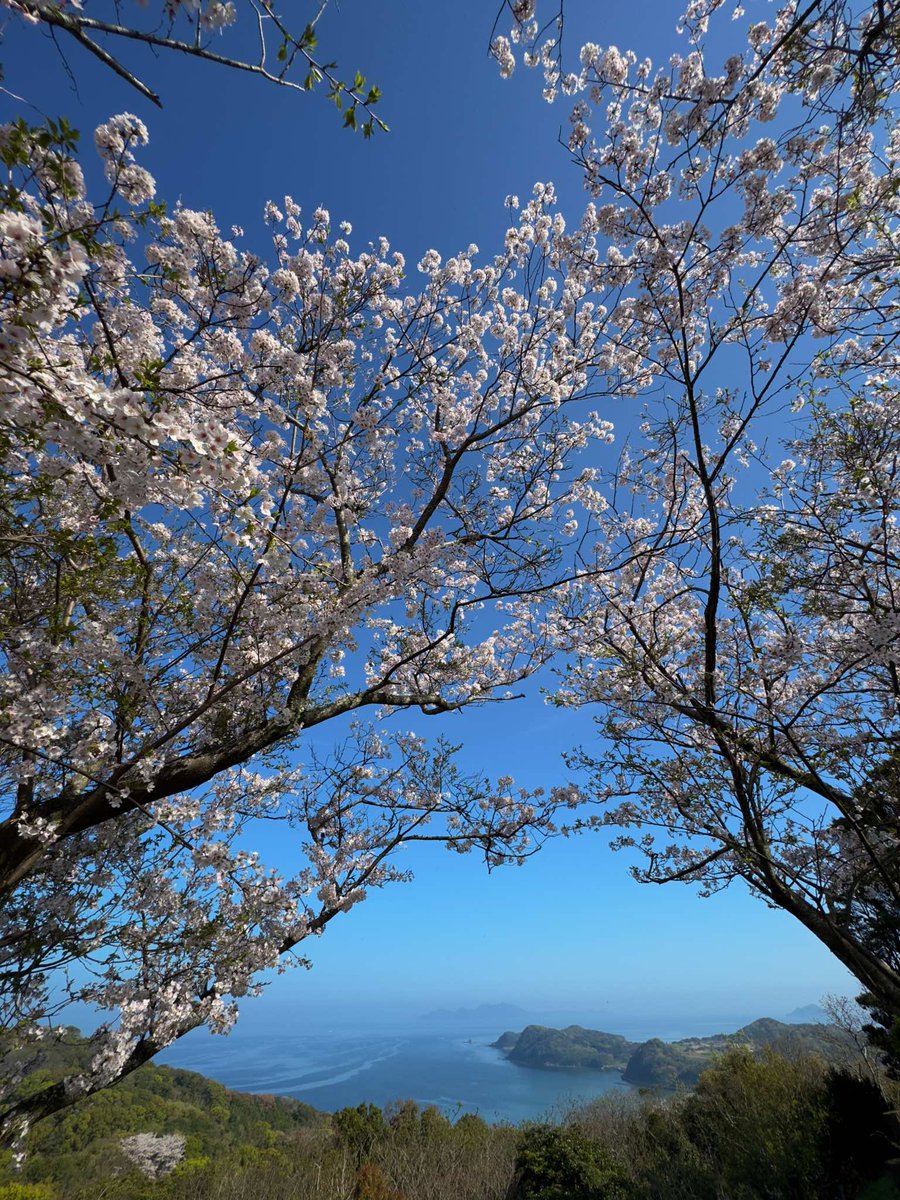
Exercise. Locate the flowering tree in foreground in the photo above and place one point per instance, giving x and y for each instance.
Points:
(242, 501)
(276, 51)
(741, 629)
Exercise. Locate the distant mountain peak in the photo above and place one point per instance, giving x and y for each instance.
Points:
(808, 1014)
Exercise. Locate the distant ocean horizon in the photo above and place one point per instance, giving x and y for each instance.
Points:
(454, 1068)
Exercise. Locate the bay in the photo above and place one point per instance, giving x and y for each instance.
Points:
(331, 1070)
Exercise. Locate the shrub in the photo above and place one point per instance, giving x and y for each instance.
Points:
(373, 1184)
(565, 1164)
(358, 1129)
(759, 1123)
(859, 1133)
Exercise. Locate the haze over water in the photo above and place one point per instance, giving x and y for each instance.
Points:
(455, 1073)
(448, 1064)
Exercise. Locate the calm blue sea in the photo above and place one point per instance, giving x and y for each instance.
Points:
(458, 1073)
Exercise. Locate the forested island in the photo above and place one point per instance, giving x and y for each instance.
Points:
(656, 1063)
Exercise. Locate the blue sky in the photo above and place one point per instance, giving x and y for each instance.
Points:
(570, 930)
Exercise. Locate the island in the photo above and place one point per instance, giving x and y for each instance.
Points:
(572, 1047)
(656, 1063)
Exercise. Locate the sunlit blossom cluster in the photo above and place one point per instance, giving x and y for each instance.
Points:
(245, 497)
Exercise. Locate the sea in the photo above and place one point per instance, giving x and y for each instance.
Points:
(458, 1071)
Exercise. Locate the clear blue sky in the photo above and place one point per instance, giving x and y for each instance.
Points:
(570, 930)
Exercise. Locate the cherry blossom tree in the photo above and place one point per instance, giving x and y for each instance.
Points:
(265, 44)
(740, 627)
(247, 498)
(243, 500)
(155, 1155)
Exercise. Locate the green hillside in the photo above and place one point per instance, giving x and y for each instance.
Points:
(655, 1063)
(572, 1047)
(83, 1142)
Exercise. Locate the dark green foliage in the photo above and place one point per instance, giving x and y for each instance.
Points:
(403, 1117)
(860, 1130)
(433, 1125)
(473, 1127)
(680, 1064)
(539, 1046)
(556, 1163)
(883, 1032)
(760, 1124)
(670, 1161)
(359, 1129)
(881, 1189)
(764, 1129)
(665, 1064)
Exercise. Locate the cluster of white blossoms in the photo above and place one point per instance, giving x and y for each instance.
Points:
(214, 14)
(243, 498)
(738, 623)
(154, 1154)
(114, 141)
